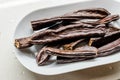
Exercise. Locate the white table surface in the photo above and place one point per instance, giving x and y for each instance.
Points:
(10, 68)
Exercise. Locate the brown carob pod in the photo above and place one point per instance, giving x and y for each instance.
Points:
(110, 30)
(63, 33)
(111, 35)
(48, 38)
(109, 48)
(85, 52)
(42, 58)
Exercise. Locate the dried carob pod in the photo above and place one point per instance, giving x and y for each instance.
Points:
(109, 48)
(66, 34)
(94, 13)
(85, 51)
(63, 33)
(111, 35)
(42, 58)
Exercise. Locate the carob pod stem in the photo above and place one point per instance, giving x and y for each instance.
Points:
(23, 43)
(72, 45)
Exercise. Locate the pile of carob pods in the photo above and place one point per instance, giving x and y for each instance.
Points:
(76, 36)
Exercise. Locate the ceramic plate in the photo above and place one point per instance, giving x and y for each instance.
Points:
(27, 58)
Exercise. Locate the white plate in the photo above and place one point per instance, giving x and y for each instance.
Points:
(23, 29)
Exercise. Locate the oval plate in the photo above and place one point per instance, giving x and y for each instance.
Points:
(27, 58)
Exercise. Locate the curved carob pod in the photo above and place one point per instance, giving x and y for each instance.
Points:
(85, 51)
(42, 58)
(94, 13)
(109, 48)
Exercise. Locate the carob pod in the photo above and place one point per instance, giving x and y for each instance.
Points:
(85, 52)
(42, 58)
(62, 33)
(66, 34)
(110, 30)
(94, 13)
(111, 35)
(109, 48)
